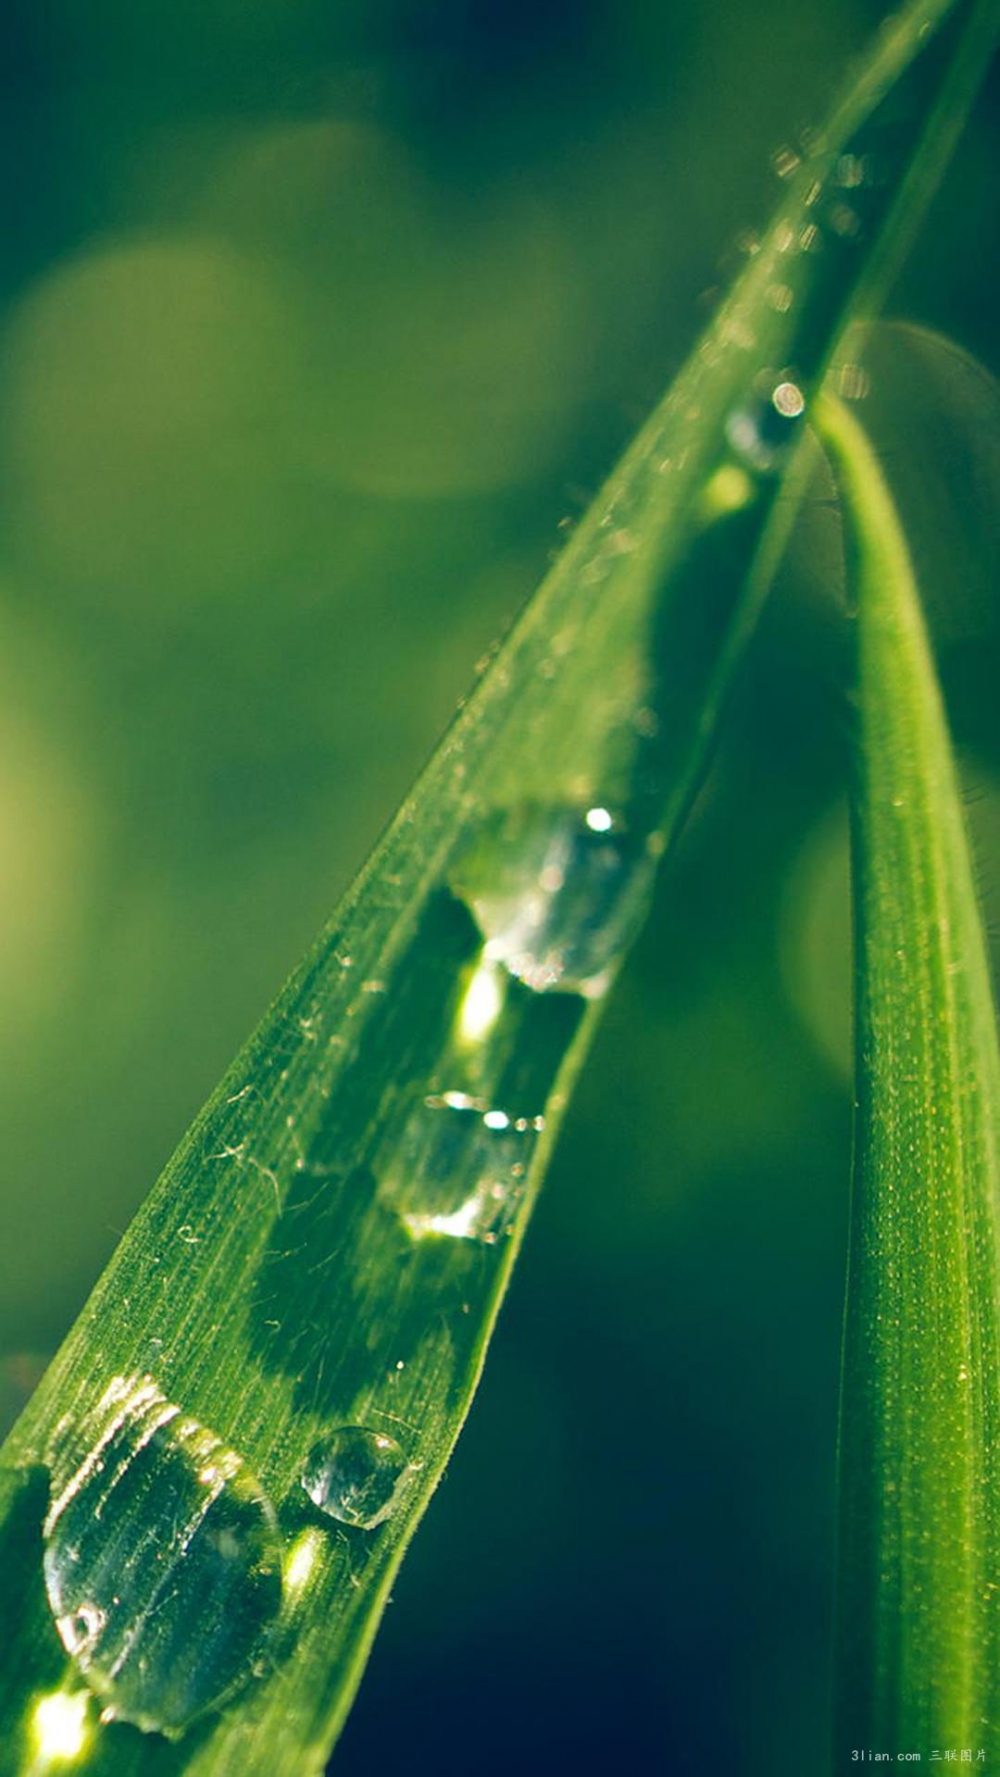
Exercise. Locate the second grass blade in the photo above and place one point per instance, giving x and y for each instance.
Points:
(919, 1603)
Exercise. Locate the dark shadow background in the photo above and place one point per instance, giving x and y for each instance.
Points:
(317, 319)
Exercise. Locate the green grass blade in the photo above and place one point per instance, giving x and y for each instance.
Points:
(919, 1633)
(329, 1246)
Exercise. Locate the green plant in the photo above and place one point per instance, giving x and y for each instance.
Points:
(317, 1275)
(919, 1534)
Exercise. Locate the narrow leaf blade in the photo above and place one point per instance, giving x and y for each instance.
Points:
(920, 1511)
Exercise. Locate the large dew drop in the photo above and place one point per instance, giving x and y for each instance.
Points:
(355, 1476)
(558, 894)
(162, 1560)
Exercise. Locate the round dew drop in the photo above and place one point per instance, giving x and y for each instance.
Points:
(355, 1476)
(162, 1561)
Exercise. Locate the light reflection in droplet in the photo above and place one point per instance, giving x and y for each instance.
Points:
(482, 1003)
(60, 1727)
(300, 1562)
(464, 1223)
(457, 1101)
(789, 400)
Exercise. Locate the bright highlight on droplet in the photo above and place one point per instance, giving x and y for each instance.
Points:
(60, 1726)
(458, 1101)
(464, 1223)
(302, 1558)
(496, 1120)
(789, 400)
(599, 820)
(482, 1004)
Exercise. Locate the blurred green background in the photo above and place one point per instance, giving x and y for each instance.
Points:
(317, 321)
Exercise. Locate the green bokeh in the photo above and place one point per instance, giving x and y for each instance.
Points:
(317, 320)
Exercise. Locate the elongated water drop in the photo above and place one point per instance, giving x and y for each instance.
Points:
(453, 1136)
(557, 893)
(162, 1561)
(355, 1476)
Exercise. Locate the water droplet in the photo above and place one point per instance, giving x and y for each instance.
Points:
(621, 541)
(162, 1561)
(785, 162)
(780, 297)
(558, 894)
(355, 1476)
(453, 1136)
(854, 170)
(761, 434)
(845, 222)
(853, 382)
(789, 400)
(736, 331)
